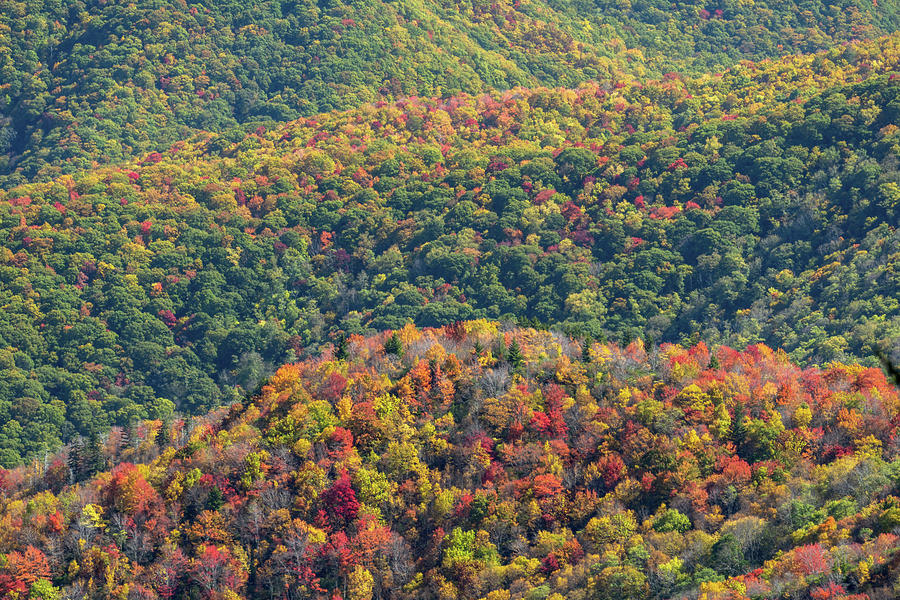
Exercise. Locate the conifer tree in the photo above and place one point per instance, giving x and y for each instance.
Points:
(393, 345)
(215, 499)
(739, 430)
(94, 461)
(514, 355)
(164, 434)
(341, 349)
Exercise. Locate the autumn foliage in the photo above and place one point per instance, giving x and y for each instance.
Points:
(439, 469)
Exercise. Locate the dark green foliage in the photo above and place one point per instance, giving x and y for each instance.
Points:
(514, 354)
(164, 434)
(738, 434)
(215, 499)
(728, 556)
(393, 345)
(341, 350)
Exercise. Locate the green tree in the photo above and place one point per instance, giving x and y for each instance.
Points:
(393, 345)
(514, 355)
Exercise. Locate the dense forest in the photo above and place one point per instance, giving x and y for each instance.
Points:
(421, 300)
(102, 80)
(756, 205)
(474, 461)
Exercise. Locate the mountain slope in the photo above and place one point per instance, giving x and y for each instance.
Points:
(102, 81)
(760, 205)
(471, 462)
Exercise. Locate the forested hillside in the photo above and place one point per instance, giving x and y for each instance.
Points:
(759, 205)
(100, 80)
(475, 462)
(423, 300)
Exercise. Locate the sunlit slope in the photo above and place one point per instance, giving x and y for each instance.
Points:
(475, 461)
(86, 81)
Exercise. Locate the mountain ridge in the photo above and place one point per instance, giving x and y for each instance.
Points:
(101, 81)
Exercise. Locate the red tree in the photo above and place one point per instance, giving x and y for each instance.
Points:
(340, 502)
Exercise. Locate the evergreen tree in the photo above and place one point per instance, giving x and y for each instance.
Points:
(514, 355)
(341, 351)
(215, 499)
(94, 461)
(393, 345)
(164, 434)
(586, 349)
(739, 430)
